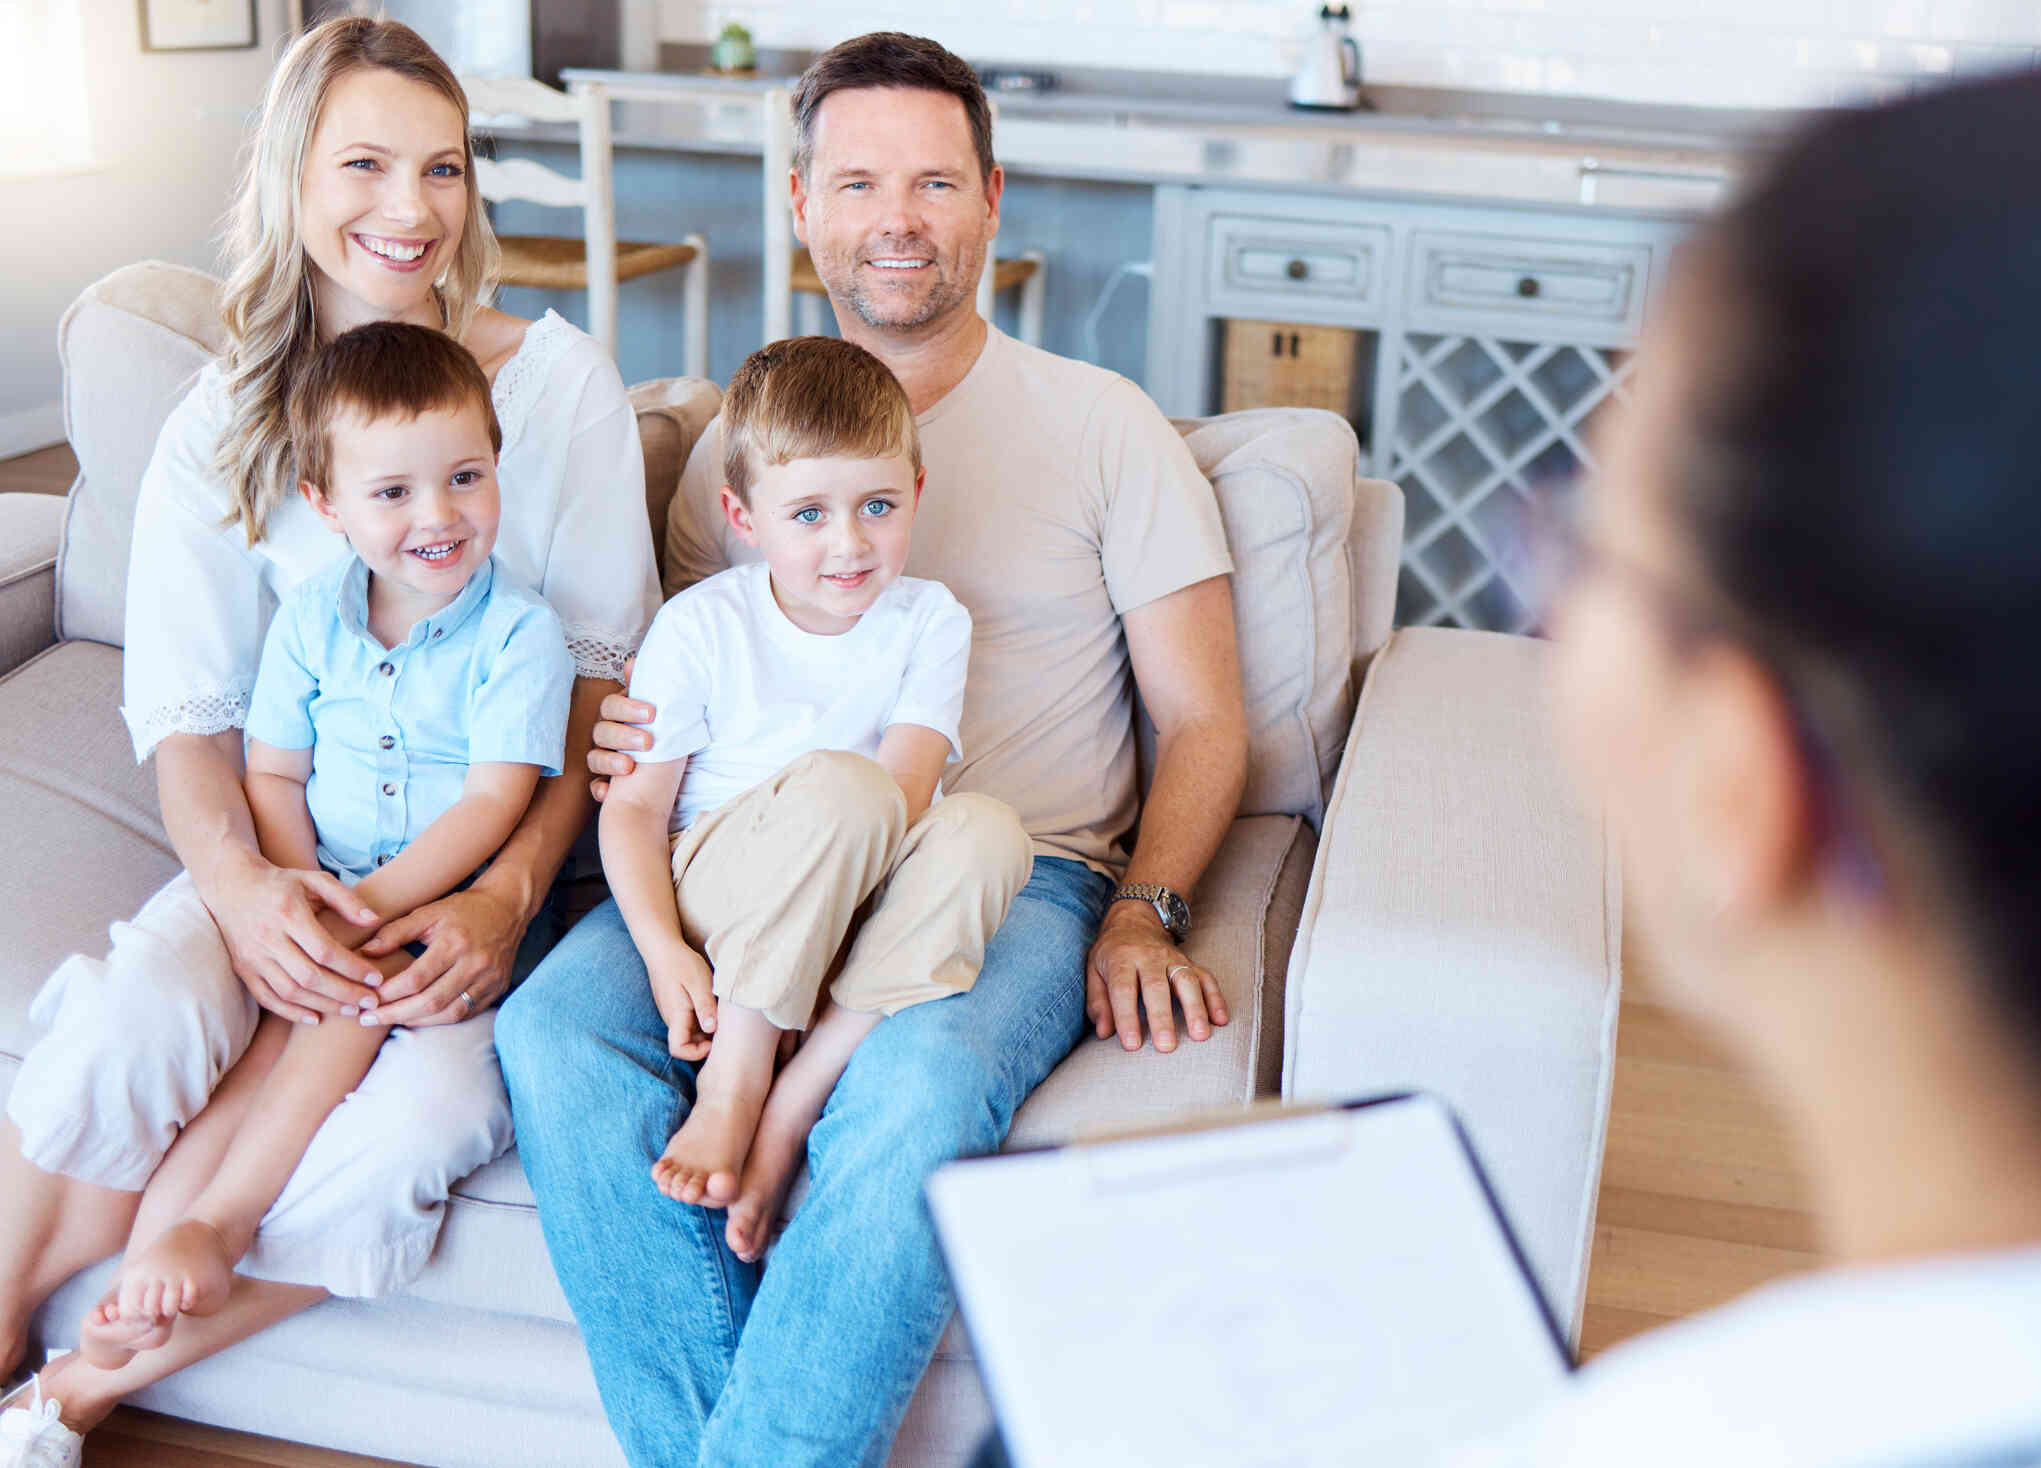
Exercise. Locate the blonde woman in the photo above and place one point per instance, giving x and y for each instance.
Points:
(359, 205)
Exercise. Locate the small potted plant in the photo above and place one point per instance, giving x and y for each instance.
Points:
(732, 50)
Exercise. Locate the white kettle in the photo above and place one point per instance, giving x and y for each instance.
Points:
(1331, 74)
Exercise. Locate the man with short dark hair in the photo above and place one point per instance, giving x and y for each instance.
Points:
(1067, 515)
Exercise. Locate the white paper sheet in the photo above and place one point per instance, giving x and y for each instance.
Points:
(1330, 1288)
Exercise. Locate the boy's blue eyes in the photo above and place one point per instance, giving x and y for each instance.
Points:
(812, 514)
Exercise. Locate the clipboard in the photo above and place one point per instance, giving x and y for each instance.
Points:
(1294, 1287)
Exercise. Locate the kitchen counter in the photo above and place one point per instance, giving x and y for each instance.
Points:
(1418, 143)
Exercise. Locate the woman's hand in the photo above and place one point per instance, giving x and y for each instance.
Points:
(617, 736)
(471, 939)
(269, 917)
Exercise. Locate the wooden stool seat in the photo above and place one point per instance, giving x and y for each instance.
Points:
(560, 262)
(1005, 273)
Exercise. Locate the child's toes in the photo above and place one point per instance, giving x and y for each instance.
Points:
(742, 1231)
(721, 1188)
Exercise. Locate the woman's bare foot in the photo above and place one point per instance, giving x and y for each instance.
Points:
(705, 1158)
(776, 1154)
(186, 1270)
(110, 1340)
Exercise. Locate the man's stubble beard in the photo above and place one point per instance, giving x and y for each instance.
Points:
(943, 298)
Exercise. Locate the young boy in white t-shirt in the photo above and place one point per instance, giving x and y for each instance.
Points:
(787, 821)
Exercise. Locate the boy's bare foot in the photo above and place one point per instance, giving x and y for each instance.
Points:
(705, 1158)
(186, 1270)
(109, 1340)
(776, 1154)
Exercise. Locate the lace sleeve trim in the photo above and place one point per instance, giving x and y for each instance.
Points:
(211, 712)
(599, 652)
(520, 381)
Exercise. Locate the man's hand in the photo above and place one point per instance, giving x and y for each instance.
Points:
(1134, 965)
(618, 735)
(470, 940)
(684, 990)
(270, 919)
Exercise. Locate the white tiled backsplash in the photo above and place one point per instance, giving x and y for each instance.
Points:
(1737, 53)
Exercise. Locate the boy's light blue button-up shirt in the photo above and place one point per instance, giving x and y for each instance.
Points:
(392, 731)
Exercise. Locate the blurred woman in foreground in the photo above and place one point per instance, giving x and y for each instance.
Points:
(1800, 664)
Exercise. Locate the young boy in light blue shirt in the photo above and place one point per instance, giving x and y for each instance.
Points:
(408, 700)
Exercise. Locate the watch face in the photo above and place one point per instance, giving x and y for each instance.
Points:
(1176, 913)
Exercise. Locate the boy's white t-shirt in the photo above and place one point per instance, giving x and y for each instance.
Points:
(742, 692)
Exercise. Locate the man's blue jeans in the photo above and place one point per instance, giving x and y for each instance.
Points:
(700, 1356)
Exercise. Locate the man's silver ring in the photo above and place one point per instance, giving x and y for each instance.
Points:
(467, 1000)
(1177, 970)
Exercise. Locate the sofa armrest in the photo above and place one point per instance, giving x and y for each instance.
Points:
(1462, 932)
(31, 527)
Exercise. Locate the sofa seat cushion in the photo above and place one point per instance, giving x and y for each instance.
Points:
(86, 846)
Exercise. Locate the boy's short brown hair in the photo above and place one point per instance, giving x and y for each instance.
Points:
(813, 397)
(381, 370)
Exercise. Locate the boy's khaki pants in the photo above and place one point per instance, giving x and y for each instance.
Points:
(769, 885)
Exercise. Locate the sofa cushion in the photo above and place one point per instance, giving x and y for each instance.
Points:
(130, 345)
(1285, 480)
(30, 527)
(672, 412)
(87, 845)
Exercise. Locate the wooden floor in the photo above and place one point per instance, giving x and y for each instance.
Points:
(1700, 1198)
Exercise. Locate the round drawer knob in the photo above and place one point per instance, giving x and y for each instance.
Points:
(1297, 270)
(1527, 287)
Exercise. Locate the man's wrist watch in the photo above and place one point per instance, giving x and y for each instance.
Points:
(1172, 909)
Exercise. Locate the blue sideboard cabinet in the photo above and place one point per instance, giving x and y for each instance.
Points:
(1485, 338)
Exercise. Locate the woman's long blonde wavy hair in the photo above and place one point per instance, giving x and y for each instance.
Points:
(267, 301)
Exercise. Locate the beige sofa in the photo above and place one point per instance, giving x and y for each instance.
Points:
(1409, 897)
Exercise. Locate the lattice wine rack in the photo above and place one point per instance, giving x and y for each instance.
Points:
(1476, 424)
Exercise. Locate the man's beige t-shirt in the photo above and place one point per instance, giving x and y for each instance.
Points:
(1058, 499)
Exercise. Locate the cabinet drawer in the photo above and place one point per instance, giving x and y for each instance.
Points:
(1262, 261)
(1459, 279)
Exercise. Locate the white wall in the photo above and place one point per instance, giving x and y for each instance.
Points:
(1742, 53)
(166, 132)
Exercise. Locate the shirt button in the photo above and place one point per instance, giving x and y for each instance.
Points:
(383, 860)
(386, 669)
(389, 789)
(386, 742)
(437, 631)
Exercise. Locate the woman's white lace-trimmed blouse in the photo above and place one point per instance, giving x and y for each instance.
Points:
(573, 476)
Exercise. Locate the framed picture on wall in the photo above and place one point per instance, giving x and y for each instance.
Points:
(197, 25)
